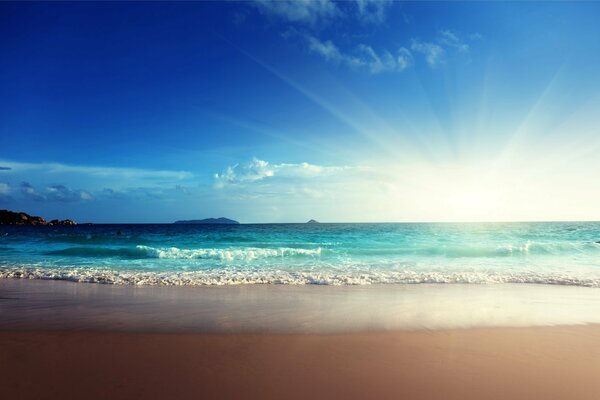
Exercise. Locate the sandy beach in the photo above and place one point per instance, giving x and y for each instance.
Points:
(498, 363)
(66, 340)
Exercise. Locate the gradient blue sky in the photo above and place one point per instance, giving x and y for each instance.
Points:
(285, 111)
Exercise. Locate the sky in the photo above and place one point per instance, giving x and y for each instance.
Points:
(281, 111)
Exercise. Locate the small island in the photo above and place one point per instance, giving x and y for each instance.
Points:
(20, 218)
(209, 221)
(313, 221)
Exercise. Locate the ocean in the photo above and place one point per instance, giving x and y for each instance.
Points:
(559, 253)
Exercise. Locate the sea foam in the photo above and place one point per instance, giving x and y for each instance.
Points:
(142, 251)
(238, 276)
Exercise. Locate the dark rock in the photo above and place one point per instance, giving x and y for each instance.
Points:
(209, 221)
(312, 221)
(21, 218)
(62, 222)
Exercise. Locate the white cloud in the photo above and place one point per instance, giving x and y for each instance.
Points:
(434, 53)
(257, 171)
(363, 57)
(252, 171)
(4, 188)
(451, 39)
(313, 12)
(326, 49)
(305, 11)
(372, 11)
(385, 61)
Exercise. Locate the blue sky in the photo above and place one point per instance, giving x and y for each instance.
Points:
(285, 111)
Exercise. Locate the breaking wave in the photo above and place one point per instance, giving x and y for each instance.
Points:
(141, 252)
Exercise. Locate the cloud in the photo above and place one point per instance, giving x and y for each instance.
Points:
(183, 189)
(372, 11)
(304, 11)
(100, 176)
(4, 168)
(28, 191)
(434, 53)
(165, 193)
(60, 183)
(367, 58)
(54, 193)
(57, 168)
(63, 193)
(327, 50)
(257, 171)
(5, 197)
(313, 12)
(113, 194)
(451, 39)
(363, 56)
(360, 56)
(385, 61)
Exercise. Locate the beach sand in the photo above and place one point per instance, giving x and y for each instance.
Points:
(491, 363)
(65, 340)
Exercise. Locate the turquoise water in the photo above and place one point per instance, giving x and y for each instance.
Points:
(333, 254)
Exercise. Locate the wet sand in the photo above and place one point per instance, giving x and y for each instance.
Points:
(287, 309)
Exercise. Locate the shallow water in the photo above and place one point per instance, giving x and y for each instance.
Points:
(331, 254)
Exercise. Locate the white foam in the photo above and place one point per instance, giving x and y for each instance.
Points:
(246, 254)
(240, 276)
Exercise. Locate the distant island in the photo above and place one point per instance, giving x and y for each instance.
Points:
(20, 218)
(209, 221)
(313, 221)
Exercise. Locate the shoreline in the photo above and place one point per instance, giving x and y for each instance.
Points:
(289, 309)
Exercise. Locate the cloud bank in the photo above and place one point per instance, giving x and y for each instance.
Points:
(62, 183)
(54, 193)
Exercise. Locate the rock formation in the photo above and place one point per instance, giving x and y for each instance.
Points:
(20, 218)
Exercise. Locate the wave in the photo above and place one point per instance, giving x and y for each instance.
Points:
(485, 251)
(141, 252)
(231, 276)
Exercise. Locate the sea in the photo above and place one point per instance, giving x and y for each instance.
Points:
(544, 253)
